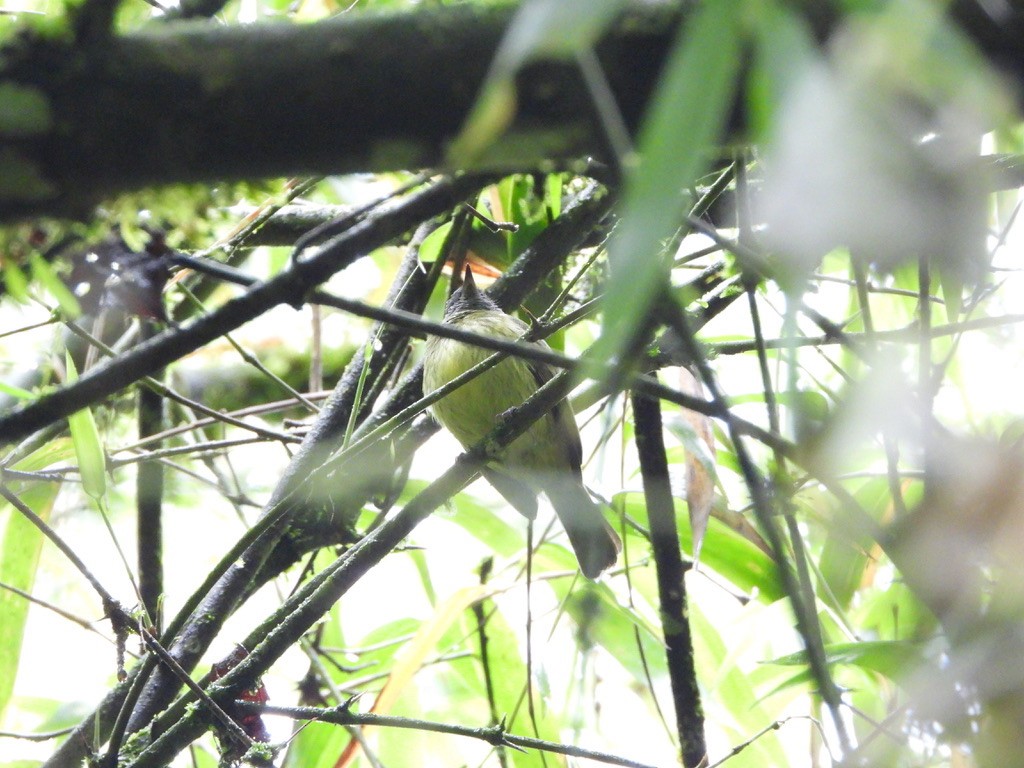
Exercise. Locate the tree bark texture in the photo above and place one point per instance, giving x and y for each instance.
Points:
(194, 102)
(366, 92)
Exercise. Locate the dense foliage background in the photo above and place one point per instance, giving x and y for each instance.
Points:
(773, 243)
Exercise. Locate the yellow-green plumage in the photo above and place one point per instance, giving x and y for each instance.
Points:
(472, 411)
(547, 456)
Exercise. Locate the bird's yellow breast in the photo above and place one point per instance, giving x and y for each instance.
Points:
(472, 411)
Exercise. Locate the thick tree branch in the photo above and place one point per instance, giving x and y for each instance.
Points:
(361, 92)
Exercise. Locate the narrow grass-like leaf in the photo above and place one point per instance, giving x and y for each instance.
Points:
(20, 545)
(13, 391)
(92, 462)
(895, 659)
(44, 274)
(679, 132)
(730, 687)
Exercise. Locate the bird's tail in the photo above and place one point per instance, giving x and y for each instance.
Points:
(596, 545)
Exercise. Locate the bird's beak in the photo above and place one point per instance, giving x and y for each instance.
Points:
(469, 289)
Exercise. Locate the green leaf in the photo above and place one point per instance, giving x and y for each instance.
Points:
(892, 658)
(842, 563)
(92, 462)
(419, 559)
(952, 293)
(809, 403)
(604, 622)
(679, 132)
(523, 208)
(44, 274)
(731, 688)
(15, 281)
(13, 391)
(430, 248)
(386, 641)
(20, 545)
(897, 614)
(492, 113)
(489, 528)
(508, 678)
(317, 745)
(724, 550)
(553, 183)
(541, 29)
(845, 552)
(783, 46)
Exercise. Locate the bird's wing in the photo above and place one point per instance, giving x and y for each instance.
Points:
(522, 498)
(564, 419)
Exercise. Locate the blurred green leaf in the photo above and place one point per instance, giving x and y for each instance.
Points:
(952, 293)
(419, 559)
(44, 274)
(430, 248)
(17, 392)
(383, 642)
(783, 45)
(489, 528)
(603, 621)
(508, 678)
(20, 546)
(842, 566)
(15, 282)
(891, 658)
(896, 613)
(540, 29)
(524, 209)
(553, 187)
(678, 135)
(731, 690)
(491, 116)
(316, 746)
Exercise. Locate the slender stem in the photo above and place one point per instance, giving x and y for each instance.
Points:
(671, 573)
(763, 508)
(495, 735)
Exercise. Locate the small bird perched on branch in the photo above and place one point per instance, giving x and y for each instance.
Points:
(547, 457)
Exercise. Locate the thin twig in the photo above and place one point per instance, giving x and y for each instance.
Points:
(66, 550)
(494, 735)
(83, 623)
